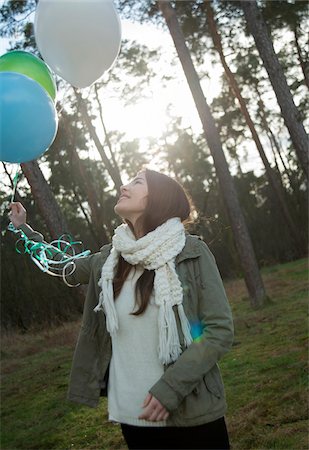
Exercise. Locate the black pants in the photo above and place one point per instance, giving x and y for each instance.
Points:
(212, 435)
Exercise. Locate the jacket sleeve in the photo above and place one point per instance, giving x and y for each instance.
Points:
(216, 321)
(83, 267)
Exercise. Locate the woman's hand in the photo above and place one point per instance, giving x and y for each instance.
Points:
(18, 214)
(153, 410)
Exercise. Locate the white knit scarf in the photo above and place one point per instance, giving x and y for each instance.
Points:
(156, 251)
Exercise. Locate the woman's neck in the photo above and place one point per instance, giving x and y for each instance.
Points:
(136, 229)
(138, 233)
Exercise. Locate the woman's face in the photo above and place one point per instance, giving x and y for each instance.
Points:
(133, 199)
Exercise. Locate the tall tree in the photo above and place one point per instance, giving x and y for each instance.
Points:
(86, 182)
(243, 242)
(302, 62)
(112, 170)
(48, 207)
(284, 13)
(271, 175)
(45, 200)
(258, 28)
(271, 135)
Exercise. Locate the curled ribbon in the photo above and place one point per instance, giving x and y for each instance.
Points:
(54, 258)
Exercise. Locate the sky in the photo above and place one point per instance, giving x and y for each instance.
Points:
(135, 119)
(148, 117)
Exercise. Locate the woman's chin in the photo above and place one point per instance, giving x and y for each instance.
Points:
(119, 211)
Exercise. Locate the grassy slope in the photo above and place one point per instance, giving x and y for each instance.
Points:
(264, 374)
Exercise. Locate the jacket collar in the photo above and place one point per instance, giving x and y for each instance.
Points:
(192, 249)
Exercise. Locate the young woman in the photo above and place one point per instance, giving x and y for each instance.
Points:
(156, 321)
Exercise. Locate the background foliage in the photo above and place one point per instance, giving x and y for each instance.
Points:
(82, 184)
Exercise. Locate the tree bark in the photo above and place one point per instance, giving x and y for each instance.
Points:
(96, 209)
(97, 215)
(48, 207)
(113, 171)
(300, 57)
(290, 114)
(79, 202)
(243, 242)
(273, 141)
(44, 199)
(107, 140)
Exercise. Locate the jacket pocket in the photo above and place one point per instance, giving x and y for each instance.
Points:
(213, 382)
(204, 401)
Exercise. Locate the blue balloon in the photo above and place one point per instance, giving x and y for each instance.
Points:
(28, 118)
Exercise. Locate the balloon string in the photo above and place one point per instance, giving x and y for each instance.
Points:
(44, 254)
(15, 181)
(64, 98)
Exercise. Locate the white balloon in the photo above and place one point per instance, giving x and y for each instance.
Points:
(78, 39)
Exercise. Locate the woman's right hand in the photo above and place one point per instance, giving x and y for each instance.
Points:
(18, 214)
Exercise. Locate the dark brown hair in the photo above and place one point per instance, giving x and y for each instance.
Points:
(166, 199)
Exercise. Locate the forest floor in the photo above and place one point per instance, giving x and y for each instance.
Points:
(265, 376)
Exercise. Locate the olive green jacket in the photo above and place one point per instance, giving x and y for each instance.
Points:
(191, 388)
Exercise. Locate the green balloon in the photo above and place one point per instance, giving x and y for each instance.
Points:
(31, 66)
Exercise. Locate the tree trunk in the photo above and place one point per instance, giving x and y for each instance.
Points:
(243, 242)
(97, 214)
(44, 199)
(277, 78)
(80, 204)
(273, 147)
(300, 58)
(96, 210)
(107, 140)
(240, 172)
(48, 207)
(273, 141)
(274, 181)
(113, 171)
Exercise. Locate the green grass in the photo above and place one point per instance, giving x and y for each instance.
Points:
(265, 377)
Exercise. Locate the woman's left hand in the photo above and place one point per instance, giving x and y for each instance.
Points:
(153, 410)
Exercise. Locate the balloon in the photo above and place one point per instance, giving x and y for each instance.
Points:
(28, 119)
(79, 40)
(30, 65)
